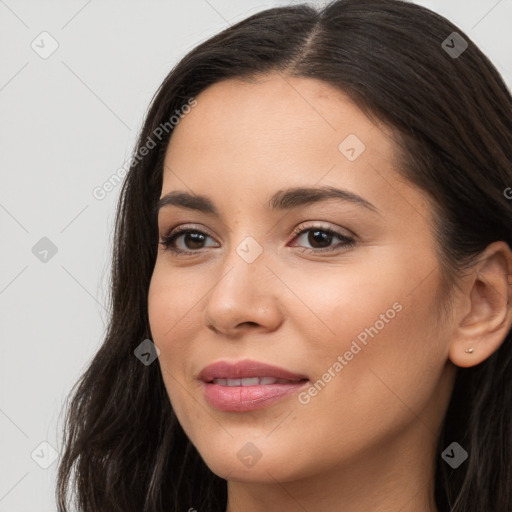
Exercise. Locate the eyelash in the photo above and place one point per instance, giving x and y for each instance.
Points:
(168, 240)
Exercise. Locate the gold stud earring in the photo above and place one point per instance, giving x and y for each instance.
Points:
(469, 350)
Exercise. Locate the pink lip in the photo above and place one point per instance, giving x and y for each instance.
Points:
(244, 369)
(247, 398)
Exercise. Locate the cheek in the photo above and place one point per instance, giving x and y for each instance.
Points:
(378, 392)
(173, 299)
(173, 320)
(334, 306)
(372, 347)
(385, 360)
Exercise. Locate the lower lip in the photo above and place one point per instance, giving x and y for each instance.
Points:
(248, 398)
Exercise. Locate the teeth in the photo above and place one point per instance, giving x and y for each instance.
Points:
(253, 381)
(250, 381)
(268, 380)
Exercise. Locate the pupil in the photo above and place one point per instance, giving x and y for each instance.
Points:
(196, 238)
(319, 236)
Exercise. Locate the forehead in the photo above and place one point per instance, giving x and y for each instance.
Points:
(277, 111)
(250, 138)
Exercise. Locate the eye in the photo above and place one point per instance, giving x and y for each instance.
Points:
(193, 239)
(321, 238)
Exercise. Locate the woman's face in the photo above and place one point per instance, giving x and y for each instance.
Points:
(358, 320)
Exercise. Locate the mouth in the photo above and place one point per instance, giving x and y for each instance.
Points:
(248, 385)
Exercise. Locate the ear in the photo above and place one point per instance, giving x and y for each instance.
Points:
(484, 312)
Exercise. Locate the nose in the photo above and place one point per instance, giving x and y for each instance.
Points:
(245, 298)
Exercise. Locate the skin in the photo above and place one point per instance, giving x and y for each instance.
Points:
(366, 441)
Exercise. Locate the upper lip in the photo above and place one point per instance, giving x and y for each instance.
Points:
(246, 369)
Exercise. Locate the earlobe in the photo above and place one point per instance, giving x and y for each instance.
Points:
(482, 329)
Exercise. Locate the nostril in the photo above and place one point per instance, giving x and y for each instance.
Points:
(242, 324)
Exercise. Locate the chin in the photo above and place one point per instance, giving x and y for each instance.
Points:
(260, 473)
(246, 464)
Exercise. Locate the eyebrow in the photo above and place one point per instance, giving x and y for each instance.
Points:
(284, 199)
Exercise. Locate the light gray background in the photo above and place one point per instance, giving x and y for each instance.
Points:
(67, 123)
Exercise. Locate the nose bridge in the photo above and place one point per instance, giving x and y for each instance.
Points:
(246, 244)
(243, 264)
(242, 293)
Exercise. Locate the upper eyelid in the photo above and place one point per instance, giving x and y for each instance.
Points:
(186, 227)
(162, 215)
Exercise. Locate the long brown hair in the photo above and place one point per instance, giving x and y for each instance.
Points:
(124, 449)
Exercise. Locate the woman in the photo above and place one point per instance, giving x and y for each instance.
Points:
(310, 294)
